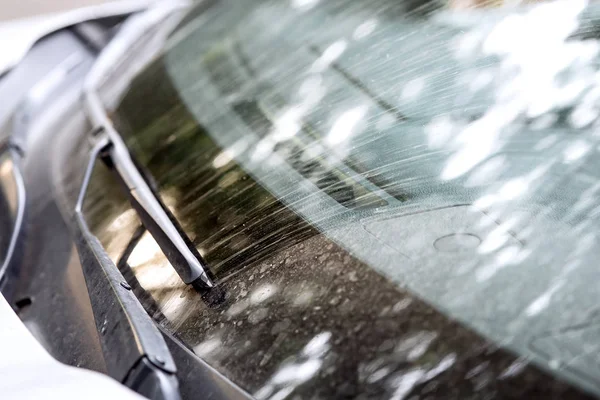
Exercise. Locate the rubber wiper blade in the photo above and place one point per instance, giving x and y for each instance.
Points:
(155, 219)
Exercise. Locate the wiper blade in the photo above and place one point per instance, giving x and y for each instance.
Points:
(155, 219)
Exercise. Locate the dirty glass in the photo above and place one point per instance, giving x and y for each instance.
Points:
(398, 199)
(108, 212)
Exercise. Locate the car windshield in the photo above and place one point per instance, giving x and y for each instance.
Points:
(399, 198)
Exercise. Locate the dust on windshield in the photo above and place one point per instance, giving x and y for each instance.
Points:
(398, 198)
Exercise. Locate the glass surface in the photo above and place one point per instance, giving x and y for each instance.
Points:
(108, 212)
(399, 199)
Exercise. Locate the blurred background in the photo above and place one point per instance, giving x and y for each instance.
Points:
(12, 9)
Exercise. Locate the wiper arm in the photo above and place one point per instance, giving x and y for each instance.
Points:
(155, 219)
(152, 214)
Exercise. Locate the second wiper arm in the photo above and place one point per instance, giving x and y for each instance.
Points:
(155, 219)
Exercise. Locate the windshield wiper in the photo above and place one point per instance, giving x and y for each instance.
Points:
(155, 219)
(189, 266)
